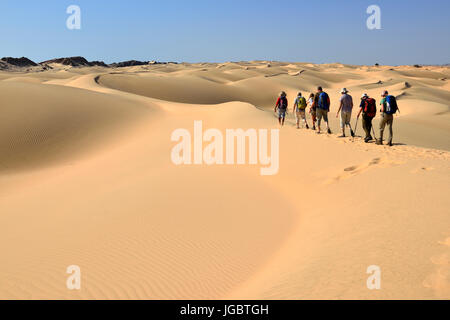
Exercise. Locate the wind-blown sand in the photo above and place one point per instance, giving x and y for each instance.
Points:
(86, 179)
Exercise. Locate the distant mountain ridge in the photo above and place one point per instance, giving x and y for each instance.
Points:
(19, 62)
(129, 63)
(23, 62)
(71, 61)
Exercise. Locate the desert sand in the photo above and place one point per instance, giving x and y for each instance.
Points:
(86, 179)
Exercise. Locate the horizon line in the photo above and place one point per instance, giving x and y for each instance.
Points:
(218, 62)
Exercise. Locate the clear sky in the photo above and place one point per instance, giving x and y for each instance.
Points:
(413, 31)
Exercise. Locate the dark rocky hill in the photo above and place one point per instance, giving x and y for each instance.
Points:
(129, 63)
(19, 62)
(71, 61)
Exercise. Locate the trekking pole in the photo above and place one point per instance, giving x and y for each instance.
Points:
(356, 125)
(374, 135)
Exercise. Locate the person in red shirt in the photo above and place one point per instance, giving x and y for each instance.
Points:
(281, 106)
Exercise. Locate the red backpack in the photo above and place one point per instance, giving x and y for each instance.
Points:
(283, 103)
(370, 107)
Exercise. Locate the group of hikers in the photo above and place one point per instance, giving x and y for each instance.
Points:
(319, 104)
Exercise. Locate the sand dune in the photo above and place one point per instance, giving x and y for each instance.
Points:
(419, 99)
(86, 179)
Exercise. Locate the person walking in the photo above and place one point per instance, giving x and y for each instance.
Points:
(345, 109)
(312, 110)
(281, 106)
(299, 110)
(322, 109)
(368, 108)
(389, 107)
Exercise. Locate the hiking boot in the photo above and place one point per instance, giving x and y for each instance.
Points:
(366, 140)
(352, 133)
(314, 128)
(379, 142)
(329, 131)
(342, 136)
(390, 144)
(307, 127)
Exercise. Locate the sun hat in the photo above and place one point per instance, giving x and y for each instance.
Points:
(344, 90)
(299, 94)
(385, 93)
(364, 96)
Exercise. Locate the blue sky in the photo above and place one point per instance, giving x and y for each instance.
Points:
(412, 31)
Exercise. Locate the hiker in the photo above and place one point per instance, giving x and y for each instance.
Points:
(281, 106)
(368, 108)
(322, 108)
(312, 109)
(299, 110)
(345, 109)
(388, 109)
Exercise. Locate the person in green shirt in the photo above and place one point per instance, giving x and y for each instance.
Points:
(299, 110)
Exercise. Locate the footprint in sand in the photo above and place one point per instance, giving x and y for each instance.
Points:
(422, 169)
(439, 281)
(360, 168)
(357, 169)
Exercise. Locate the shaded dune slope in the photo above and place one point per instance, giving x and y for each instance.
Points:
(43, 123)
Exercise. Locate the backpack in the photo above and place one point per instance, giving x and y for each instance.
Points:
(370, 107)
(323, 101)
(315, 102)
(283, 103)
(301, 103)
(391, 105)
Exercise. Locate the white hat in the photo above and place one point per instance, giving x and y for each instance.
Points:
(344, 90)
(364, 96)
